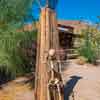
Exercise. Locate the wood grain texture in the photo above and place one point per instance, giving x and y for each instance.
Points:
(47, 38)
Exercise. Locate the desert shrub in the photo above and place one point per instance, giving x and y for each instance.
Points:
(89, 45)
(12, 63)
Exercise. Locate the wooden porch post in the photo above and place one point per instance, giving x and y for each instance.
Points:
(47, 38)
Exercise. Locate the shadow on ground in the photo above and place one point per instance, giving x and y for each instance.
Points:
(28, 79)
(69, 86)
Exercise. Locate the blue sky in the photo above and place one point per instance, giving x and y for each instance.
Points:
(78, 9)
(75, 10)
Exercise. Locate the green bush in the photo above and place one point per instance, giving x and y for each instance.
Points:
(11, 60)
(12, 15)
(88, 48)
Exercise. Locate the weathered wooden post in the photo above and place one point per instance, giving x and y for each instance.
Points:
(47, 38)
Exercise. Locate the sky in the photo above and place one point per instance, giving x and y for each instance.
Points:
(78, 9)
(74, 10)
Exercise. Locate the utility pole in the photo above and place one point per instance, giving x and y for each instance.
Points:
(47, 38)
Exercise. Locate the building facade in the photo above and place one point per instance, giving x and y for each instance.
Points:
(69, 32)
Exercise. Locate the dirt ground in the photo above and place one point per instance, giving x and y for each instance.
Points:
(19, 89)
(82, 82)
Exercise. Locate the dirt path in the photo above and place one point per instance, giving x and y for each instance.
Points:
(82, 82)
(17, 90)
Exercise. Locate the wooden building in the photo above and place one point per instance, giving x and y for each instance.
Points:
(69, 32)
(66, 36)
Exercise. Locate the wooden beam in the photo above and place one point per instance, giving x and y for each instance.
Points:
(47, 38)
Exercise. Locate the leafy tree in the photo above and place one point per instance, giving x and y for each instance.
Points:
(14, 10)
(12, 14)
